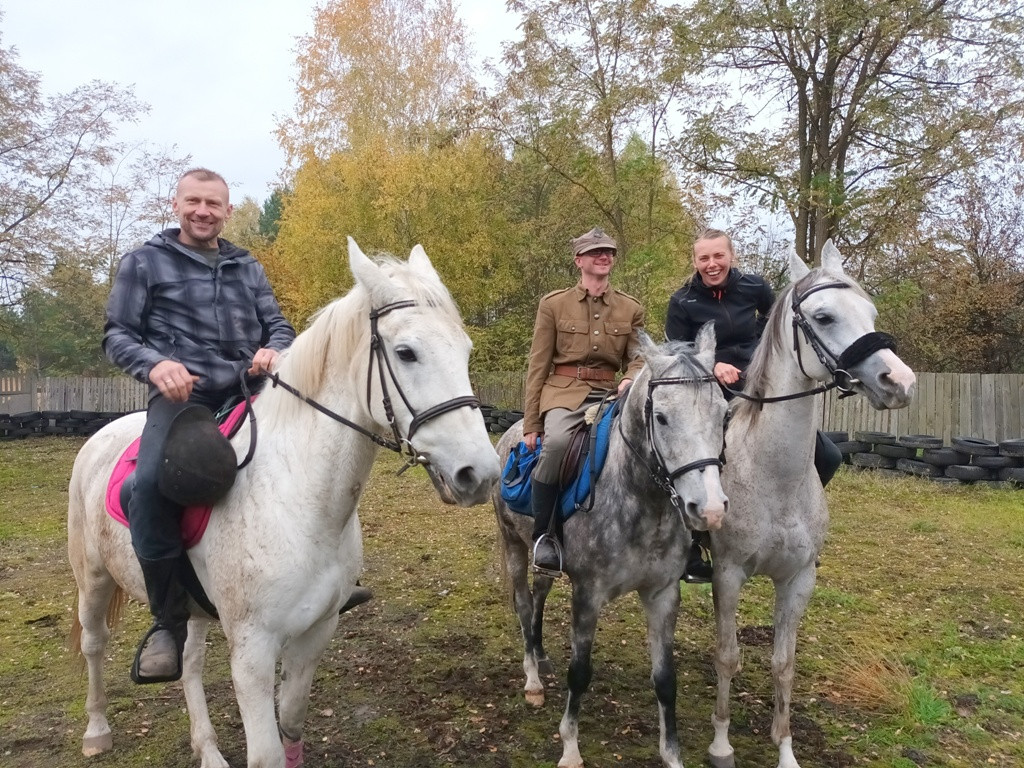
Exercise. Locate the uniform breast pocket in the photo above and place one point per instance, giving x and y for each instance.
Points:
(572, 338)
(617, 338)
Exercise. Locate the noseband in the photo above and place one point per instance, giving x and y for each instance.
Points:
(378, 355)
(663, 476)
(837, 365)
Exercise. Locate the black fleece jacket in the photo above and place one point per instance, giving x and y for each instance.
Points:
(739, 309)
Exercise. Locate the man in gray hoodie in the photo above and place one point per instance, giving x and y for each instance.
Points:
(188, 314)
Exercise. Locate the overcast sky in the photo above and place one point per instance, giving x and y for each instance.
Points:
(214, 72)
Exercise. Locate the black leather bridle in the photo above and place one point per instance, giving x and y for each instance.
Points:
(663, 476)
(837, 365)
(378, 357)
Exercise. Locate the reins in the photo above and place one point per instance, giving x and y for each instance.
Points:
(399, 444)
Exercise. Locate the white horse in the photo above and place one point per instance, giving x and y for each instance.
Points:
(282, 550)
(821, 329)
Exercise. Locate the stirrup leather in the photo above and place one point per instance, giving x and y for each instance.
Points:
(550, 573)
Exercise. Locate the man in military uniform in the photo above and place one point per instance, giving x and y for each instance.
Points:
(582, 336)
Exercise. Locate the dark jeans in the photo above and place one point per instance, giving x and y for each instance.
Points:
(155, 521)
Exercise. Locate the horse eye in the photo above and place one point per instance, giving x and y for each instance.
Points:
(823, 318)
(660, 418)
(405, 354)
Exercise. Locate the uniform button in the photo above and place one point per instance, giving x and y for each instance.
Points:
(597, 317)
(573, 328)
(595, 347)
(596, 333)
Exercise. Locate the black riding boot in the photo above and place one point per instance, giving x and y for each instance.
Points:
(158, 659)
(698, 568)
(547, 552)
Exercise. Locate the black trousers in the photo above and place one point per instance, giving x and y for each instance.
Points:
(155, 521)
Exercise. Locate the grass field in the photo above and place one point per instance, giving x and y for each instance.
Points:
(909, 655)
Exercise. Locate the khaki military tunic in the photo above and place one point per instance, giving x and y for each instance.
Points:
(576, 329)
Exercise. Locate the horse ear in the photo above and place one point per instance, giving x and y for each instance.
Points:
(419, 261)
(366, 273)
(831, 259)
(647, 345)
(705, 340)
(797, 267)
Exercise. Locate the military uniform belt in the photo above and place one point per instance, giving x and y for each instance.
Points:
(585, 374)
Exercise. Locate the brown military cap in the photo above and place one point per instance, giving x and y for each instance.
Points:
(595, 238)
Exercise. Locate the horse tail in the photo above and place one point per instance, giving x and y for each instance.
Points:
(114, 610)
(75, 642)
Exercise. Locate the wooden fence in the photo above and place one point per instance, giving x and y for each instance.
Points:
(947, 405)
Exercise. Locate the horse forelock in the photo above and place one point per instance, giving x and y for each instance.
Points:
(425, 290)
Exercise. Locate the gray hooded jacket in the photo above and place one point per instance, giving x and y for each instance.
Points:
(169, 303)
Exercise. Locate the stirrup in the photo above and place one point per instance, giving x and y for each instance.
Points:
(135, 673)
(549, 572)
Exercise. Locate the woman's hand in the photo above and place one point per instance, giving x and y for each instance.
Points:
(726, 374)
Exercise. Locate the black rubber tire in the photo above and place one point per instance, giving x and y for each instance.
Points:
(875, 438)
(847, 447)
(969, 472)
(975, 446)
(895, 451)
(920, 441)
(1012, 447)
(943, 457)
(919, 468)
(1013, 474)
(995, 462)
(872, 461)
(837, 436)
(82, 415)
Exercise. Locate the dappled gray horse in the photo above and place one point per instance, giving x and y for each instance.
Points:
(821, 329)
(661, 478)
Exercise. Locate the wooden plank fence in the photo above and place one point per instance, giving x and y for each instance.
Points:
(947, 405)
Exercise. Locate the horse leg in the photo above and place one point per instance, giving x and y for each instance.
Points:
(541, 587)
(253, 666)
(726, 594)
(204, 739)
(298, 665)
(791, 598)
(525, 602)
(95, 591)
(662, 609)
(584, 625)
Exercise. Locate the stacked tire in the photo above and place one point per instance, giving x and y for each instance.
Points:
(498, 420)
(39, 423)
(965, 460)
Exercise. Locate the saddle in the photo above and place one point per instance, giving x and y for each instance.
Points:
(578, 474)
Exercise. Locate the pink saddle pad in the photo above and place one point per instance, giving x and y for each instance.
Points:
(194, 519)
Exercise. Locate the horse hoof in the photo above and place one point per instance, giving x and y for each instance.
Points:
(94, 745)
(293, 755)
(536, 698)
(724, 761)
(545, 667)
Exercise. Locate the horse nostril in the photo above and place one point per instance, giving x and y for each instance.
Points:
(465, 478)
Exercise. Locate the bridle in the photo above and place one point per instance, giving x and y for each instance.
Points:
(663, 476)
(379, 359)
(837, 365)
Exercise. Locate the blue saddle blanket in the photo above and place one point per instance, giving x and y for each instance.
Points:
(516, 486)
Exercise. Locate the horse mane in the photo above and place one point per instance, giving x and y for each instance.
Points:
(685, 354)
(339, 331)
(777, 336)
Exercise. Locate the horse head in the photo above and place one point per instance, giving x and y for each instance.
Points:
(683, 420)
(834, 334)
(418, 379)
